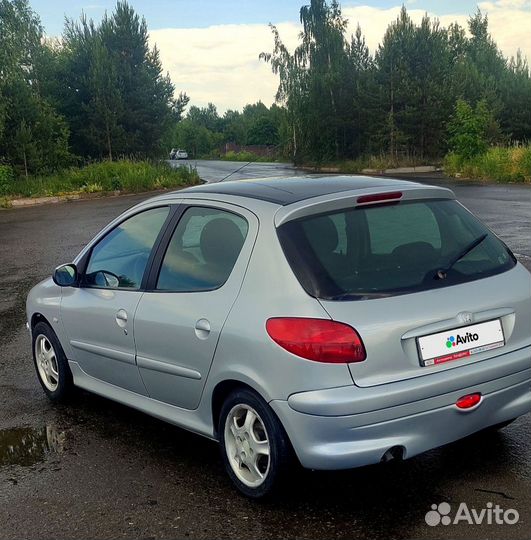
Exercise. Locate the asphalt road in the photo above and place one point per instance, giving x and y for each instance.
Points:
(218, 171)
(95, 469)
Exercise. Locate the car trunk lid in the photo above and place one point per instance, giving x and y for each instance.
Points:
(391, 327)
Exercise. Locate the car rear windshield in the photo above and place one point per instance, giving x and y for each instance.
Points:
(386, 250)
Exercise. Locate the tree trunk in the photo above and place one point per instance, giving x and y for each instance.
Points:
(109, 147)
(25, 162)
(423, 128)
(294, 143)
(392, 115)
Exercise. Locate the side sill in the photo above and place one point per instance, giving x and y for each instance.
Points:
(183, 418)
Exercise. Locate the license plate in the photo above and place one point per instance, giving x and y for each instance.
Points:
(460, 342)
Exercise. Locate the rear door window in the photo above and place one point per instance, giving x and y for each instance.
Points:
(368, 252)
(202, 251)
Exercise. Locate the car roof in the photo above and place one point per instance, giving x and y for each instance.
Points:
(284, 191)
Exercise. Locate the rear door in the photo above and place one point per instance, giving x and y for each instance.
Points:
(378, 273)
(191, 291)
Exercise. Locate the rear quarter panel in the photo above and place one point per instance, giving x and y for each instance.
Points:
(245, 351)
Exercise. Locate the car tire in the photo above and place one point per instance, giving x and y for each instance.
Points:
(253, 443)
(51, 364)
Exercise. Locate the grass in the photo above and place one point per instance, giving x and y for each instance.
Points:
(248, 156)
(106, 176)
(375, 162)
(500, 164)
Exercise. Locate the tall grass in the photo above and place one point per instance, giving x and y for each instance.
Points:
(245, 155)
(501, 164)
(106, 176)
(379, 162)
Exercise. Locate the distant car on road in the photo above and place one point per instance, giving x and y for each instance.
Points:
(178, 154)
(337, 321)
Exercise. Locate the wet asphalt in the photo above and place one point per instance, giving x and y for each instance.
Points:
(96, 469)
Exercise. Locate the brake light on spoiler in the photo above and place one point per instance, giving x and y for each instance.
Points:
(392, 196)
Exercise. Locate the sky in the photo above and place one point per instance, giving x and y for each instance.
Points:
(210, 47)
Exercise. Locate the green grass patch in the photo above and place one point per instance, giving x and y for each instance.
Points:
(248, 156)
(500, 164)
(375, 162)
(106, 176)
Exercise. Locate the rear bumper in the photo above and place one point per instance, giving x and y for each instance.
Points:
(347, 427)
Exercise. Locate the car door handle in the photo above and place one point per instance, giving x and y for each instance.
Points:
(121, 318)
(202, 328)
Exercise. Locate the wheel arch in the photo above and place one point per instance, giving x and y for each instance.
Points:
(36, 318)
(223, 389)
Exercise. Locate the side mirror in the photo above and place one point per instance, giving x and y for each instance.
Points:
(65, 275)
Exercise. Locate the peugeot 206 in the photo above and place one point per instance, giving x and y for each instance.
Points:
(338, 321)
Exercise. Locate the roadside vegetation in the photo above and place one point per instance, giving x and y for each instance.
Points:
(206, 134)
(103, 177)
(247, 156)
(473, 134)
(426, 93)
(99, 93)
(497, 163)
(375, 163)
(408, 101)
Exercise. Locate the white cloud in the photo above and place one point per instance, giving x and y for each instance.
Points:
(374, 21)
(511, 4)
(510, 25)
(220, 63)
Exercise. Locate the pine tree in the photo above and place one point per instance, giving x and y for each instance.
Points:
(118, 101)
(33, 136)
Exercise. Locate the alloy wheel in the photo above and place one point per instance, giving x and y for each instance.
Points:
(247, 445)
(47, 365)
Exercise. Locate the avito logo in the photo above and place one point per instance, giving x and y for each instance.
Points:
(441, 514)
(453, 341)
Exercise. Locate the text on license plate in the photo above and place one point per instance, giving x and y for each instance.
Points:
(460, 342)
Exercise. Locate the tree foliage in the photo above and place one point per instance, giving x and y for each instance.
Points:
(203, 132)
(114, 92)
(472, 130)
(342, 102)
(98, 92)
(33, 136)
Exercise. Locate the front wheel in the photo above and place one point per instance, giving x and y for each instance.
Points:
(51, 364)
(254, 446)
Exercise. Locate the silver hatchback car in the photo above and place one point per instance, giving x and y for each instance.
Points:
(336, 321)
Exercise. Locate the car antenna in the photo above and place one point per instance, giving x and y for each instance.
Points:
(243, 166)
(237, 170)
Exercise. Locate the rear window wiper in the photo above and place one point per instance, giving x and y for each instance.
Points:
(441, 273)
(357, 296)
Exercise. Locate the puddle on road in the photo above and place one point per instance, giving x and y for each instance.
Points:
(26, 446)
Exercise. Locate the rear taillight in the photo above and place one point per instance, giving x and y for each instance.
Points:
(320, 340)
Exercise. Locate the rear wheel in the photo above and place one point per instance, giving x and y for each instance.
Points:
(254, 446)
(51, 364)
